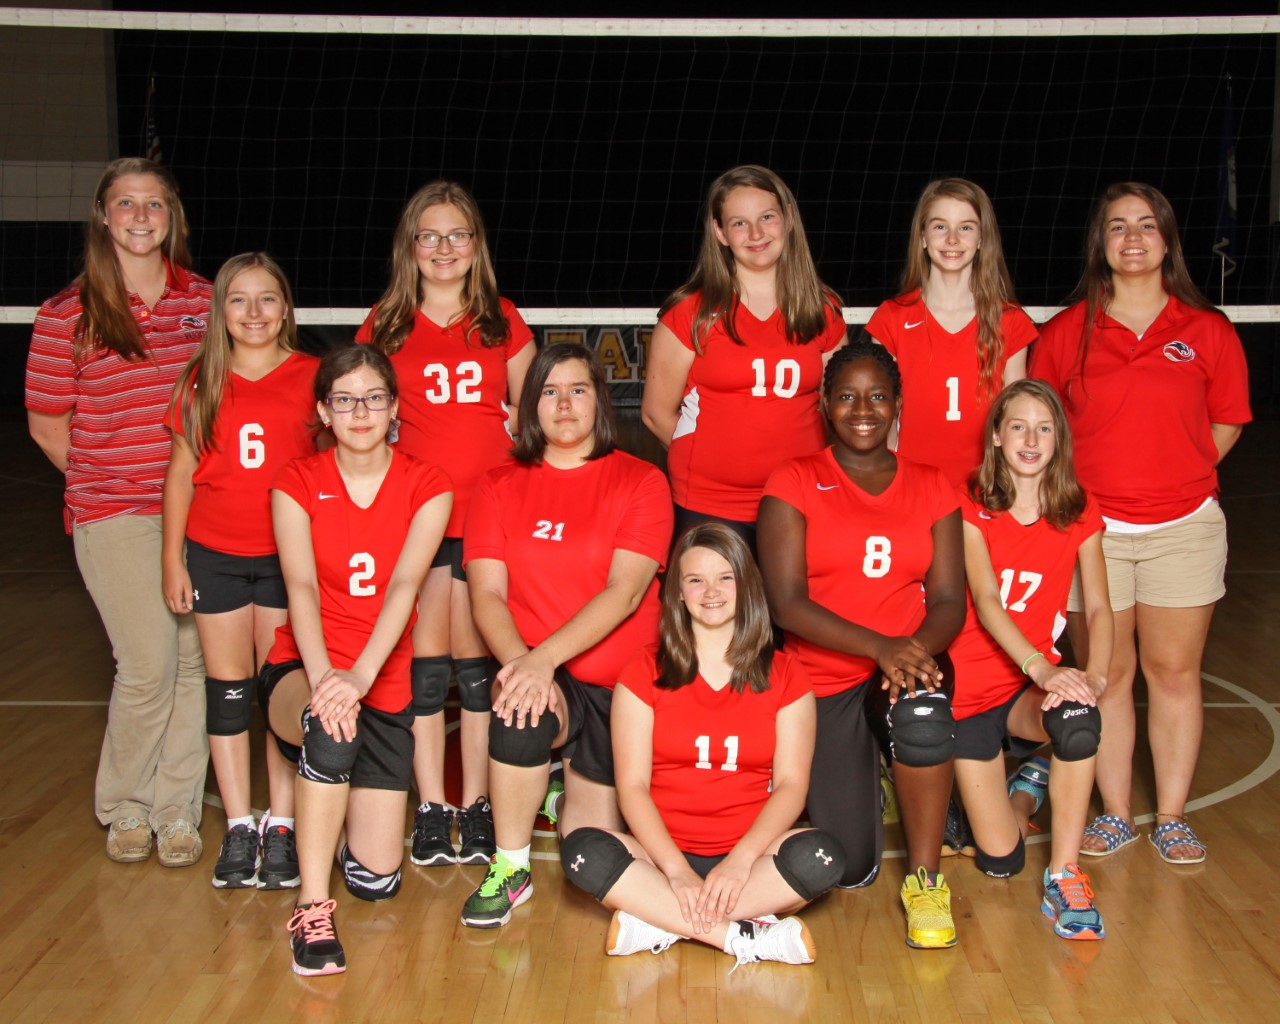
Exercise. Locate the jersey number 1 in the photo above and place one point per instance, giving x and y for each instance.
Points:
(953, 399)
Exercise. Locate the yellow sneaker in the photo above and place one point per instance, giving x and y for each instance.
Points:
(928, 907)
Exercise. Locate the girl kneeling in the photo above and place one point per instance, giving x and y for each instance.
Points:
(1027, 524)
(357, 527)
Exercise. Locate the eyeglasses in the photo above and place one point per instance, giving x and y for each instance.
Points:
(378, 401)
(432, 240)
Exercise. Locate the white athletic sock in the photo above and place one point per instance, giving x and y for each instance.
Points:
(516, 858)
(233, 822)
(286, 822)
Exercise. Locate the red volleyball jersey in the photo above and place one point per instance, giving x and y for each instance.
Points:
(557, 530)
(1141, 415)
(356, 550)
(1034, 565)
(943, 413)
(866, 555)
(712, 750)
(746, 408)
(260, 425)
(453, 400)
(119, 448)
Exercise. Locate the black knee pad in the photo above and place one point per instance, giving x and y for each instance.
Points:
(291, 753)
(594, 860)
(1002, 867)
(228, 705)
(324, 759)
(365, 884)
(429, 678)
(529, 747)
(1075, 730)
(472, 675)
(811, 862)
(922, 730)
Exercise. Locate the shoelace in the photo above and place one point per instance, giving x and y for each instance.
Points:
(176, 828)
(495, 879)
(432, 823)
(929, 898)
(315, 921)
(1077, 893)
(129, 824)
(278, 836)
(746, 948)
(241, 840)
(476, 822)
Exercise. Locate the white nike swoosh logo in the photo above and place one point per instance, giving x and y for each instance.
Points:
(909, 326)
(829, 487)
(322, 495)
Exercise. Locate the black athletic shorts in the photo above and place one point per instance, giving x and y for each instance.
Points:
(589, 743)
(984, 735)
(450, 553)
(224, 583)
(384, 741)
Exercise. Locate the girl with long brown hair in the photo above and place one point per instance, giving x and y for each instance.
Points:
(713, 738)
(744, 340)
(241, 410)
(462, 351)
(955, 328)
(1028, 525)
(1155, 387)
(105, 354)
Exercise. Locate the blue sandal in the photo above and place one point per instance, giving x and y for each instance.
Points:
(1163, 840)
(1117, 834)
(1032, 778)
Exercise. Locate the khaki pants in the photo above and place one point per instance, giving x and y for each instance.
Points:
(155, 752)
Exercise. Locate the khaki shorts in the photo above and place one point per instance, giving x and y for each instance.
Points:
(1177, 566)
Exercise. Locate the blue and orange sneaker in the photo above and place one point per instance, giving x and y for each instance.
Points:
(1068, 903)
(504, 888)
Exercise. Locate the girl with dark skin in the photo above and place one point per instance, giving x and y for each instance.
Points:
(884, 619)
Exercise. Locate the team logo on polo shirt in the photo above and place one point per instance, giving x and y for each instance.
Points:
(1179, 352)
(193, 323)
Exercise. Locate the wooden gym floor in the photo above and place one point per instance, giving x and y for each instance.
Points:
(82, 938)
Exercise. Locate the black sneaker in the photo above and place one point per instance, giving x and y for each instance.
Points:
(431, 843)
(475, 830)
(314, 940)
(957, 838)
(237, 866)
(279, 868)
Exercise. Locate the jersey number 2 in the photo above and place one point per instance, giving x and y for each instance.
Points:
(703, 743)
(359, 584)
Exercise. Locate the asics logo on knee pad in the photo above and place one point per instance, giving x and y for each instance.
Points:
(577, 864)
(822, 856)
(1078, 711)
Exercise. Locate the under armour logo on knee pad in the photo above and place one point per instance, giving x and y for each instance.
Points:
(822, 856)
(578, 863)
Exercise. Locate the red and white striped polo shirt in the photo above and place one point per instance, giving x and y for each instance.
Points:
(119, 445)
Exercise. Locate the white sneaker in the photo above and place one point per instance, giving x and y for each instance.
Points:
(785, 942)
(628, 934)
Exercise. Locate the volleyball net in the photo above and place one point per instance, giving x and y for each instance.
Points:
(589, 144)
